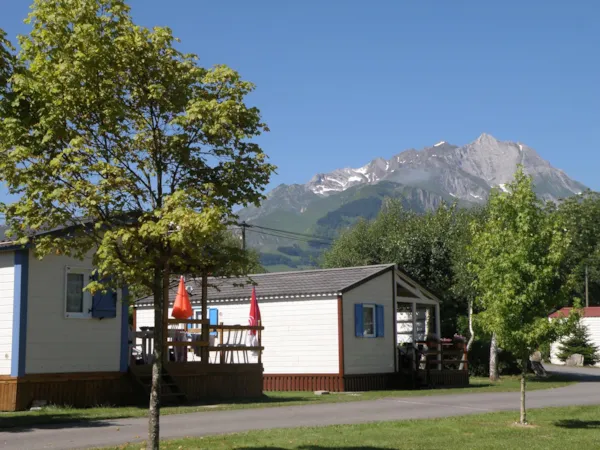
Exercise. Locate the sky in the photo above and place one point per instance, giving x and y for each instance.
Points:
(342, 82)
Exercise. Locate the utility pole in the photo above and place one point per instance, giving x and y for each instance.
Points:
(244, 235)
(587, 297)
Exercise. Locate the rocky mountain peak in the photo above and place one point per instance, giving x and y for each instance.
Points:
(466, 172)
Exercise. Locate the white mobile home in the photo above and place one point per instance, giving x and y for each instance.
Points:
(62, 345)
(590, 320)
(57, 343)
(334, 329)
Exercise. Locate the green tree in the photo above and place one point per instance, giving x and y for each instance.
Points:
(516, 257)
(130, 143)
(6, 66)
(579, 342)
(581, 215)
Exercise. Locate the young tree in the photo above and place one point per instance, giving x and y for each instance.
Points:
(516, 257)
(130, 143)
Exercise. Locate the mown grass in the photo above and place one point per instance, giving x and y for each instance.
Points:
(53, 414)
(551, 428)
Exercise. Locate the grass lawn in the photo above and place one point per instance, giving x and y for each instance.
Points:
(51, 414)
(552, 428)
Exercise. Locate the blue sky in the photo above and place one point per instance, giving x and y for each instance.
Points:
(342, 82)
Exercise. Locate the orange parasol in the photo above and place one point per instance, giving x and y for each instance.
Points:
(182, 308)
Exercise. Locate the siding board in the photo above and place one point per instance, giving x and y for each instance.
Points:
(300, 336)
(370, 355)
(7, 277)
(56, 344)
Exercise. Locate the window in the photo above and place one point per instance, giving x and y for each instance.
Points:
(75, 292)
(368, 320)
(78, 303)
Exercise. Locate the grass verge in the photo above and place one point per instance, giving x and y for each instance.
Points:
(553, 428)
(53, 414)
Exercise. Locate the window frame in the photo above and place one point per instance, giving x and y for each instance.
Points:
(87, 300)
(373, 308)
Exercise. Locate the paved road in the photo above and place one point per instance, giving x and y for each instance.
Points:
(116, 432)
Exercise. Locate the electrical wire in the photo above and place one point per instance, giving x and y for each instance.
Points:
(293, 238)
(292, 235)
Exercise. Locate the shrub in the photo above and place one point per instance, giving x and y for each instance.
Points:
(579, 342)
(479, 360)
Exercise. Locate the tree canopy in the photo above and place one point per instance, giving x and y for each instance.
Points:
(112, 132)
(128, 133)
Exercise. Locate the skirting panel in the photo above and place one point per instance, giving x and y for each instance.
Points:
(8, 393)
(212, 381)
(370, 382)
(303, 382)
(448, 378)
(81, 390)
(358, 383)
(76, 389)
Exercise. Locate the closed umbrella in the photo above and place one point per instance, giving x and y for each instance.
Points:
(253, 321)
(182, 309)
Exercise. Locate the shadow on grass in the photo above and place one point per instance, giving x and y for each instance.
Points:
(578, 424)
(314, 447)
(64, 418)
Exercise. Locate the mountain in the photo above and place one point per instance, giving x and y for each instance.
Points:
(422, 179)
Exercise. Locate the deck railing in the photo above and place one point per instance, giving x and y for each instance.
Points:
(442, 356)
(206, 344)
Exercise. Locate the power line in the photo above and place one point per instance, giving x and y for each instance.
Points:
(309, 236)
(293, 238)
(284, 234)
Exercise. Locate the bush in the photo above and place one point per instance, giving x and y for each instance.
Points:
(579, 342)
(479, 360)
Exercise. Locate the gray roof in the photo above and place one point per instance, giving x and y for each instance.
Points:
(306, 282)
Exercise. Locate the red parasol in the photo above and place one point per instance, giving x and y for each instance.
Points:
(254, 312)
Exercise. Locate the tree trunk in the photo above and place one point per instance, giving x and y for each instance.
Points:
(471, 332)
(205, 334)
(157, 362)
(523, 418)
(471, 336)
(494, 359)
(427, 322)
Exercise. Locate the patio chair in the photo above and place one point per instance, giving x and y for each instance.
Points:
(235, 338)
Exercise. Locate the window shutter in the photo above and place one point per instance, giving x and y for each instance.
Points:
(379, 320)
(104, 305)
(213, 318)
(358, 320)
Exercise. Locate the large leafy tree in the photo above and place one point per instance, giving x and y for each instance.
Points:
(131, 144)
(516, 256)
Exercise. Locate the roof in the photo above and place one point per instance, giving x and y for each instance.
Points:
(589, 311)
(8, 242)
(320, 282)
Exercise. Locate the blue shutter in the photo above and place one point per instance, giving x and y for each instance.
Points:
(213, 318)
(358, 320)
(379, 320)
(104, 304)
